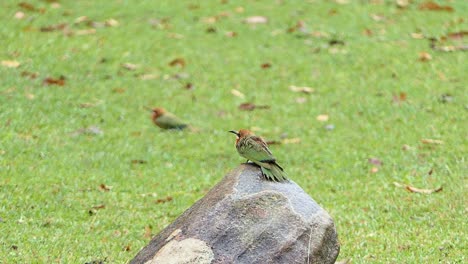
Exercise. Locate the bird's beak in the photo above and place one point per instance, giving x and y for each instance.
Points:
(234, 132)
(148, 108)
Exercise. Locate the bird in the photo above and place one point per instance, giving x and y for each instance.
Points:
(167, 120)
(255, 149)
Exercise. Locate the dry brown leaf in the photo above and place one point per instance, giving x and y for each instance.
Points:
(231, 34)
(266, 65)
(11, 63)
(52, 81)
(164, 200)
(402, 3)
(432, 141)
(148, 230)
(322, 118)
(177, 62)
(399, 98)
(301, 89)
(425, 191)
(118, 90)
(149, 76)
(424, 56)
(101, 206)
(57, 27)
(457, 35)
(239, 9)
(432, 6)
(104, 187)
(256, 20)
(139, 161)
(81, 19)
(27, 6)
(417, 35)
(30, 75)
(252, 106)
(111, 22)
(130, 66)
(417, 190)
(237, 93)
(89, 31)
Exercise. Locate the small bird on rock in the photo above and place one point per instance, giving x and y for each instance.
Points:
(167, 120)
(256, 149)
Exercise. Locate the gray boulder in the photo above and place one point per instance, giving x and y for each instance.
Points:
(245, 219)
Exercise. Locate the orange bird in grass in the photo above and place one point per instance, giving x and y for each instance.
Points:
(256, 149)
(167, 120)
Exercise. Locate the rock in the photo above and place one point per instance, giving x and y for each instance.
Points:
(245, 219)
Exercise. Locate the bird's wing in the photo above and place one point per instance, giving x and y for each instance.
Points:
(169, 120)
(257, 149)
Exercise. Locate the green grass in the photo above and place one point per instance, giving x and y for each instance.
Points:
(50, 180)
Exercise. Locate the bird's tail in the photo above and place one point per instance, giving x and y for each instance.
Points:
(274, 173)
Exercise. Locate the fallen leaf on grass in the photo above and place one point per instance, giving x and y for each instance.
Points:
(57, 27)
(148, 230)
(256, 20)
(104, 187)
(237, 93)
(11, 63)
(149, 76)
(424, 56)
(344, 261)
(417, 190)
(399, 98)
(252, 106)
(118, 90)
(138, 161)
(402, 3)
(127, 247)
(30, 7)
(432, 141)
(82, 32)
(51, 81)
(189, 86)
(111, 22)
(231, 34)
(130, 66)
(266, 65)
(457, 35)
(164, 200)
(301, 89)
(417, 35)
(30, 75)
(322, 118)
(432, 6)
(177, 62)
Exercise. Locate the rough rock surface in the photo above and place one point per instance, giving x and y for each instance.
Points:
(245, 219)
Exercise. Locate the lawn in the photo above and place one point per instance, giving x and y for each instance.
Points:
(362, 105)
